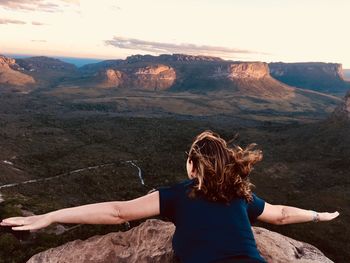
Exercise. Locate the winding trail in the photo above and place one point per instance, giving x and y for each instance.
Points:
(56, 176)
(132, 162)
(139, 169)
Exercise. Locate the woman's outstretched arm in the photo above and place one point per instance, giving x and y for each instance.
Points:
(282, 215)
(114, 212)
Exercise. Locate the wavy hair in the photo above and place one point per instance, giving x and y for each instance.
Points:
(222, 172)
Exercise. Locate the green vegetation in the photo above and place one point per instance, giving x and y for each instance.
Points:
(304, 165)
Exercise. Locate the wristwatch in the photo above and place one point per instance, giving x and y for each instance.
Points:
(315, 216)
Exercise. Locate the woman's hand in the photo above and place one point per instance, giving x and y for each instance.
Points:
(27, 223)
(325, 216)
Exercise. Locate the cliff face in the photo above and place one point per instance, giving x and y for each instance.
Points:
(113, 78)
(11, 75)
(343, 110)
(181, 72)
(150, 77)
(154, 77)
(242, 70)
(318, 76)
(151, 242)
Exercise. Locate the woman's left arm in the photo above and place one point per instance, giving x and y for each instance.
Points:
(114, 212)
(282, 215)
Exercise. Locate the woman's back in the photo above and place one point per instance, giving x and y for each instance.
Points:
(209, 231)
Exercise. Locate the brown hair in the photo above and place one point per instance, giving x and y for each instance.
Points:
(222, 172)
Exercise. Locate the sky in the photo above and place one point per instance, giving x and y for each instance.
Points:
(254, 30)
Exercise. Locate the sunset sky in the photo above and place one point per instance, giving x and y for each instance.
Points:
(269, 30)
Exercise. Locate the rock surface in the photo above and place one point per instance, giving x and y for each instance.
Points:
(248, 70)
(343, 110)
(154, 77)
(318, 76)
(10, 74)
(151, 242)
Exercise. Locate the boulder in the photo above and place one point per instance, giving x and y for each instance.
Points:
(151, 242)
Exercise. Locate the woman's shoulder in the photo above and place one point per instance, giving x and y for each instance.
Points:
(183, 184)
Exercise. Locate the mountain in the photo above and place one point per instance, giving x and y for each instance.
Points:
(191, 85)
(32, 73)
(48, 72)
(176, 84)
(318, 76)
(151, 242)
(179, 72)
(13, 76)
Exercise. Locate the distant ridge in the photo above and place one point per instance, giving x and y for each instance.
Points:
(318, 76)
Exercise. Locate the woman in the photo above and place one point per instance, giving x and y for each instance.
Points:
(212, 210)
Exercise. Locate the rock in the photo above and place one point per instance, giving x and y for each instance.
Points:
(10, 74)
(154, 77)
(151, 242)
(248, 70)
(343, 110)
(276, 248)
(114, 78)
(317, 76)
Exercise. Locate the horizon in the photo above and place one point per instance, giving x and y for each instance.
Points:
(81, 61)
(272, 31)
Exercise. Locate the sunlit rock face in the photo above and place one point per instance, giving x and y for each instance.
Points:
(151, 242)
(10, 73)
(242, 70)
(149, 77)
(154, 77)
(254, 70)
(114, 78)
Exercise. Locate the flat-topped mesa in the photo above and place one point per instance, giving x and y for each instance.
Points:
(318, 76)
(330, 69)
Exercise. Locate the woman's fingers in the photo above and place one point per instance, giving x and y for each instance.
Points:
(13, 221)
(328, 216)
(335, 214)
(27, 227)
(20, 220)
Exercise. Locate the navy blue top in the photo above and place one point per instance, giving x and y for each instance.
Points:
(209, 231)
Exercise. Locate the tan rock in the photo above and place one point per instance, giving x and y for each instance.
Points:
(154, 77)
(9, 74)
(151, 242)
(254, 70)
(114, 77)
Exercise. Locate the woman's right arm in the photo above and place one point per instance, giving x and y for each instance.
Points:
(113, 212)
(282, 215)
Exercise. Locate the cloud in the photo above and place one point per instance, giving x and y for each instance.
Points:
(38, 5)
(5, 21)
(35, 23)
(161, 47)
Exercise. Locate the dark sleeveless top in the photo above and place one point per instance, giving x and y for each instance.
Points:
(208, 232)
